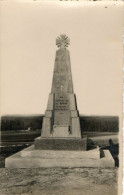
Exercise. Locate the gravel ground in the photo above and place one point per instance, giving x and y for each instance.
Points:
(62, 181)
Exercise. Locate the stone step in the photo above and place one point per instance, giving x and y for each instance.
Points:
(63, 154)
(31, 158)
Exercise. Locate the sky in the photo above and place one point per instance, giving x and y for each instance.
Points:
(28, 33)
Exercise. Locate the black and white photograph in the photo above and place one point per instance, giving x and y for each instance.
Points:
(61, 97)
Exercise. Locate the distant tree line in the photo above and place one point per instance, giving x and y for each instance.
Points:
(21, 122)
(88, 123)
(99, 123)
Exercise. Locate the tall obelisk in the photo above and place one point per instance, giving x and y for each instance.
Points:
(61, 120)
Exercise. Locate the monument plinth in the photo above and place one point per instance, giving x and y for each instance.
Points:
(61, 119)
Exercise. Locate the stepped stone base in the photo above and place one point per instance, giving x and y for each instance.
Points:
(74, 144)
(31, 158)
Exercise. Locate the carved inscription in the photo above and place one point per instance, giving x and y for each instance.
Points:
(61, 102)
(62, 111)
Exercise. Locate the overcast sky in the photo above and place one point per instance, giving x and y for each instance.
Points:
(28, 33)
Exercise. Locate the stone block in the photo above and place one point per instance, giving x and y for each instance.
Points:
(74, 113)
(48, 113)
(46, 127)
(72, 101)
(62, 117)
(61, 131)
(50, 101)
(75, 127)
(61, 144)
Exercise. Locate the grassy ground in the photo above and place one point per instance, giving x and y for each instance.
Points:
(54, 181)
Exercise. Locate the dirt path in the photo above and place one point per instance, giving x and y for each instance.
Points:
(77, 181)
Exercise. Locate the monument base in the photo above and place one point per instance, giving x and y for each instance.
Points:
(74, 144)
(31, 158)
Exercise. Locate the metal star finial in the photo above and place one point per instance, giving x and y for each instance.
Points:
(62, 41)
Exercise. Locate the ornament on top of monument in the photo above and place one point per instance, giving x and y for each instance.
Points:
(62, 41)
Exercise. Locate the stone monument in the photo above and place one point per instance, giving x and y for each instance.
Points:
(61, 124)
(61, 143)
